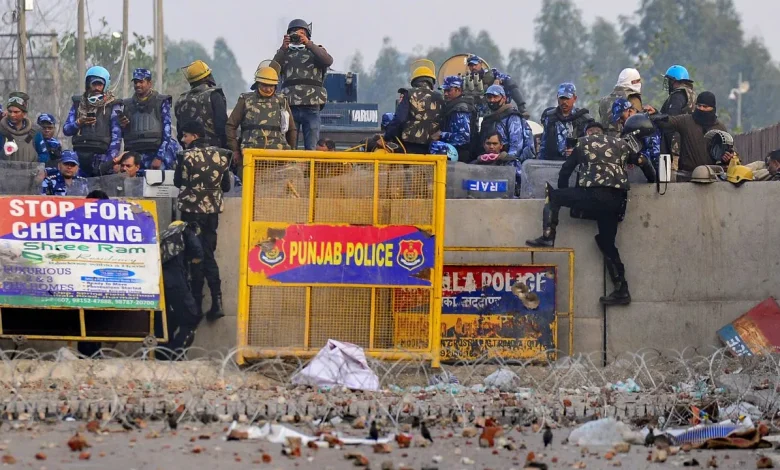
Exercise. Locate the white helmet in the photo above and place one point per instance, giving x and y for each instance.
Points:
(626, 77)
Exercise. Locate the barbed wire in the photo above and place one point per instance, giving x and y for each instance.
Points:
(647, 386)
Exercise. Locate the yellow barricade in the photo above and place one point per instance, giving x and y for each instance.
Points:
(341, 245)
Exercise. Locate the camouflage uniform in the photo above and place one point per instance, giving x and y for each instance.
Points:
(673, 107)
(304, 72)
(95, 144)
(195, 104)
(202, 173)
(425, 108)
(601, 194)
(180, 246)
(459, 127)
(260, 119)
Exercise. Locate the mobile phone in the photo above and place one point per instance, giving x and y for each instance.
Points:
(91, 114)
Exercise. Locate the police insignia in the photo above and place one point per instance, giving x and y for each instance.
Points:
(271, 252)
(410, 254)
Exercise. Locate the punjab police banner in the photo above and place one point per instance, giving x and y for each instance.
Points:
(340, 254)
(78, 253)
(504, 311)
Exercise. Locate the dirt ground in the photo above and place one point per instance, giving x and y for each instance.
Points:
(156, 447)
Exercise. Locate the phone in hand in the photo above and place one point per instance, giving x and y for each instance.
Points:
(91, 114)
(571, 142)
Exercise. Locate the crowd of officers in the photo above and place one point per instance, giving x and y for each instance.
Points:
(487, 124)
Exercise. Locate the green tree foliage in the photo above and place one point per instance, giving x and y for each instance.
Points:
(705, 36)
(229, 73)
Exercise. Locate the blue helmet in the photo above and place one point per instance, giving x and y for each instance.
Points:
(386, 118)
(677, 72)
(620, 105)
(453, 81)
(98, 72)
(442, 148)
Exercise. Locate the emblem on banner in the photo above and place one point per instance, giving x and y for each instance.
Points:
(410, 254)
(271, 252)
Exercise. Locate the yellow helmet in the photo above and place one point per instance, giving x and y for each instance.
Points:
(266, 76)
(423, 72)
(738, 174)
(197, 70)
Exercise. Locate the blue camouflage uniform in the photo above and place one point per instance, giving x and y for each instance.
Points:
(651, 145)
(54, 183)
(48, 149)
(513, 130)
(169, 146)
(71, 128)
(456, 131)
(572, 125)
(386, 118)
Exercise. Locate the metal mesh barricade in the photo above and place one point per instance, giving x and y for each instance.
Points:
(341, 246)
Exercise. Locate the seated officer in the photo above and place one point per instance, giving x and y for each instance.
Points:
(64, 180)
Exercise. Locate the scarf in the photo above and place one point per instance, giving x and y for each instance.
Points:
(705, 119)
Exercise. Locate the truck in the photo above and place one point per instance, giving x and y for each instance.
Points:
(344, 119)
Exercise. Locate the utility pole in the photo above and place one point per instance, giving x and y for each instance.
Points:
(81, 48)
(22, 35)
(739, 103)
(125, 44)
(159, 38)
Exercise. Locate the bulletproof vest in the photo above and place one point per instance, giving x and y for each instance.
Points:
(605, 162)
(491, 122)
(25, 140)
(145, 132)
(303, 79)
(95, 138)
(690, 97)
(195, 105)
(425, 110)
(463, 104)
(262, 121)
(202, 172)
(578, 120)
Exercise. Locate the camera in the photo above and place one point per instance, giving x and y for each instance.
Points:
(295, 38)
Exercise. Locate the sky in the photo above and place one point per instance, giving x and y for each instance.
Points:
(254, 28)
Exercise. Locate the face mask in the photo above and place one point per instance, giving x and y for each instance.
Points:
(494, 105)
(704, 118)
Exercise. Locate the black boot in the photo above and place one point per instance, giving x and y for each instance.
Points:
(216, 312)
(199, 305)
(620, 296)
(549, 223)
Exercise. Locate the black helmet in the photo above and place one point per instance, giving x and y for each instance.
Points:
(638, 125)
(299, 23)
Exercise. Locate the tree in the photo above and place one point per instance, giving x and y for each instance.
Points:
(388, 75)
(227, 71)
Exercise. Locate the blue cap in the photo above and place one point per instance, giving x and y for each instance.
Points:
(566, 90)
(45, 117)
(620, 105)
(453, 81)
(142, 74)
(497, 90)
(386, 118)
(69, 156)
(473, 59)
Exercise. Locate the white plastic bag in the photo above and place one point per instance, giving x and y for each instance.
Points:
(338, 364)
(603, 432)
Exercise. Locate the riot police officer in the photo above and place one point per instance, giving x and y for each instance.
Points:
(601, 194)
(459, 120)
(204, 102)
(64, 180)
(681, 100)
(202, 173)
(417, 117)
(265, 117)
(303, 65)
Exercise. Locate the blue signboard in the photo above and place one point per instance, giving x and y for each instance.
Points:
(486, 186)
(498, 311)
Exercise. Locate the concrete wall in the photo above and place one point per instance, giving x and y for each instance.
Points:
(696, 259)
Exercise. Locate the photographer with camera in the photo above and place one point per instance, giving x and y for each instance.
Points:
(303, 66)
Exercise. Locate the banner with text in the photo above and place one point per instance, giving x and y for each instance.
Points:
(504, 311)
(339, 254)
(79, 253)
